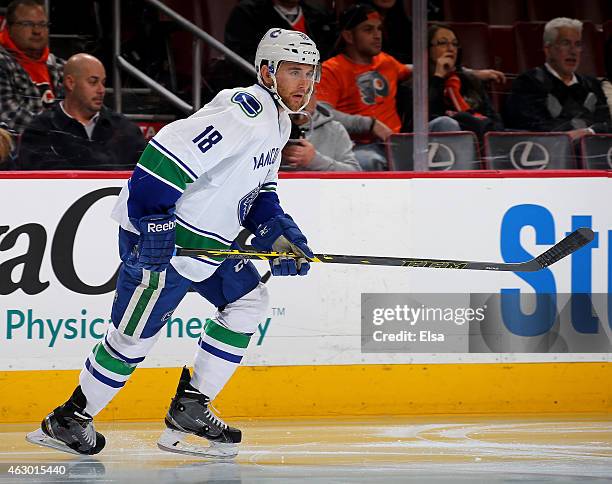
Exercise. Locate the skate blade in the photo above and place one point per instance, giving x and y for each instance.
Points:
(172, 441)
(38, 437)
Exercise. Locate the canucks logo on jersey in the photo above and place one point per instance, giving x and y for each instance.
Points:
(248, 103)
(244, 205)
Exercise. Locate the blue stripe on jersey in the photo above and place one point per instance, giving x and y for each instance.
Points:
(269, 184)
(173, 156)
(104, 379)
(265, 206)
(219, 353)
(209, 262)
(149, 195)
(200, 231)
(119, 355)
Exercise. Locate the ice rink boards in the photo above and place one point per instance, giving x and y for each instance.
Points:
(433, 449)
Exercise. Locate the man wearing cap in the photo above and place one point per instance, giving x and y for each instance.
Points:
(360, 85)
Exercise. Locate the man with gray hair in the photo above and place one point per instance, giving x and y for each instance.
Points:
(553, 97)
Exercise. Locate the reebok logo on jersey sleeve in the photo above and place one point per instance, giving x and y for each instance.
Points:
(265, 159)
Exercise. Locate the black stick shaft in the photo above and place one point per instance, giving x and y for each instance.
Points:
(565, 247)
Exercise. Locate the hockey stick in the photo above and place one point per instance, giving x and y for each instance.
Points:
(565, 247)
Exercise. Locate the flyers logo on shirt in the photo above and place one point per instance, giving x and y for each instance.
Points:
(46, 94)
(371, 84)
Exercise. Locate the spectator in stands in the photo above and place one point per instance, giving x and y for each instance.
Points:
(80, 133)
(251, 19)
(454, 92)
(553, 97)
(360, 85)
(30, 76)
(606, 85)
(397, 28)
(318, 143)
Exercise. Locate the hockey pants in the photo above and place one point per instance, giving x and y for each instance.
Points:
(144, 303)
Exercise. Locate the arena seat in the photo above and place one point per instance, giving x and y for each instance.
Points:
(528, 42)
(507, 12)
(592, 59)
(462, 11)
(475, 43)
(607, 29)
(596, 11)
(489, 11)
(503, 48)
(544, 10)
(596, 152)
(528, 151)
(447, 151)
(215, 15)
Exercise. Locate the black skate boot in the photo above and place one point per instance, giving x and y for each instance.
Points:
(189, 413)
(69, 428)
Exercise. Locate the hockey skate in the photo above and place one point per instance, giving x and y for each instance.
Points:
(69, 429)
(189, 414)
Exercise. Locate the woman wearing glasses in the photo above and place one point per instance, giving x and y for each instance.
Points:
(453, 91)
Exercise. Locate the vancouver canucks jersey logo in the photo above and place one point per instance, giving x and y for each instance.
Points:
(244, 205)
(248, 103)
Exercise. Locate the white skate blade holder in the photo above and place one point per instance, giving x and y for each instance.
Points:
(38, 437)
(174, 441)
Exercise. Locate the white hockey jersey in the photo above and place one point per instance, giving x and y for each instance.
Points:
(219, 159)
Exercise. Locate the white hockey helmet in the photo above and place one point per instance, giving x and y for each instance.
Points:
(279, 45)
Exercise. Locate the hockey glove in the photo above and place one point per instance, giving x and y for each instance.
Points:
(281, 234)
(156, 243)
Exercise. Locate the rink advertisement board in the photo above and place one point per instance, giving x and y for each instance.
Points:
(58, 263)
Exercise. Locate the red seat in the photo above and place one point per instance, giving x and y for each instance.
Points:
(475, 42)
(503, 49)
(529, 45)
(592, 59)
(216, 15)
(462, 11)
(507, 12)
(607, 29)
(596, 11)
(545, 10)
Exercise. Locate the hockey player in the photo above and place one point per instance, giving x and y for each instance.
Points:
(198, 182)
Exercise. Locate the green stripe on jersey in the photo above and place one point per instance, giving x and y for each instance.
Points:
(106, 360)
(186, 237)
(156, 162)
(221, 333)
(271, 188)
(141, 305)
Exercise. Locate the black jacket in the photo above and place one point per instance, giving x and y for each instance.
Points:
(55, 141)
(541, 102)
(251, 19)
(472, 91)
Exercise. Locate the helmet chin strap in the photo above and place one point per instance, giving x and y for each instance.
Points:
(279, 100)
